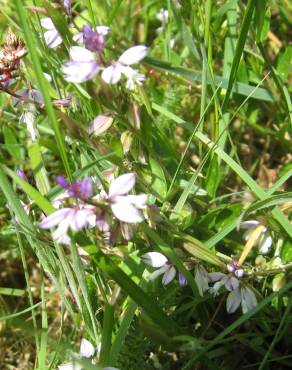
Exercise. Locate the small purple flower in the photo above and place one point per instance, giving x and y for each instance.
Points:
(93, 40)
(241, 295)
(75, 218)
(182, 280)
(78, 189)
(20, 173)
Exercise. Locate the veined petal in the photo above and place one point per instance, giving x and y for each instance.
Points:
(48, 24)
(100, 124)
(265, 242)
(126, 212)
(233, 301)
(86, 187)
(78, 220)
(122, 184)
(86, 348)
(215, 276)
(133, 55)
(248, 299)
(80, 54)
(154, 259)
(52, 38)
(231, 283)
(168, 276)
(55, 218)
(77, 72)
(112, 74)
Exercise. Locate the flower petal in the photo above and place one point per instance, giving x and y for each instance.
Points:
(126, 212)
(139, 201)
(78, 220)
(86, 188)
(231, 283)
(103, 30)
(133, 55)
(77, 72)
(100, 124)
(122, 184)
(265, 242)
(52, 38)
(251, 224)
(55, 218)
(202, 280)
(112, 74)
(248, 299)
(48, 24)
(158, 272)
(154, 259)
(168, 276)
(233, 301)
(80, 54)
(68, 366)
(86, 348)
(215, 276)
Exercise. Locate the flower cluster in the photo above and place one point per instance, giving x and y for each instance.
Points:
(86, 61)
(83, 210)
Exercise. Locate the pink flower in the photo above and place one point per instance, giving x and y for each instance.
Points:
(82, 66)
(75, 219)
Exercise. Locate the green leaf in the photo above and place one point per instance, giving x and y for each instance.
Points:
(11, 144)
(284, 63)
(196, 76)
(158, 182)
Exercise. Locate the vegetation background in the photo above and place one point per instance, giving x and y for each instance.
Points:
(209, 137)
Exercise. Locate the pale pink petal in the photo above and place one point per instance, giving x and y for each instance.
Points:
(78, 38)
(139, 201)
(154, 259)
(133, 55)
(126, 212)
(55, 218)
(168, 276)
(77, 72)
(122, 184)
(80, 54)
(78, 220)
(111, 74)
(68, 366)
(86, 348)
(233, 301)
(100, 124)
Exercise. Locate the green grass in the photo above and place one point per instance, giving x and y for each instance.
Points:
(208, 135)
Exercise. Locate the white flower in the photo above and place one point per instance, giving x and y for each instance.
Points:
(81, 67)
(158, 260)
(52, 36)
(162, 16)
(69, 218)
(264, 241)
(126, 208)
(133, 55)
(86, 351)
